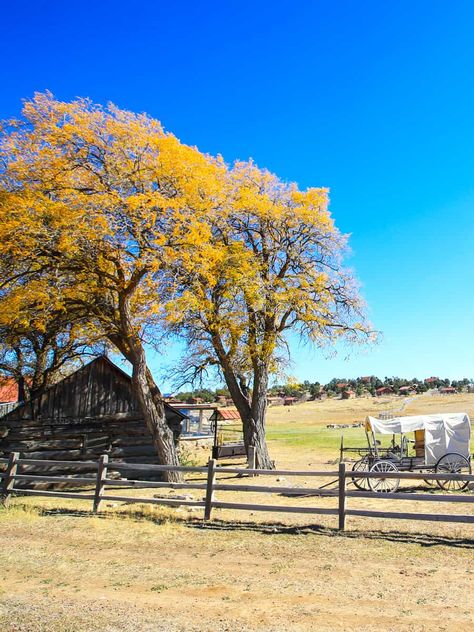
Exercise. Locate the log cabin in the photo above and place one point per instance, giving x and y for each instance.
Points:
(91, 412)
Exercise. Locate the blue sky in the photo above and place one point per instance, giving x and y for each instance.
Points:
(374, 100)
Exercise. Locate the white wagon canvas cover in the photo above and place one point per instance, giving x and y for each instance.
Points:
(447, 432)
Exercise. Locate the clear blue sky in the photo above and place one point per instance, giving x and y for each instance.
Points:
(372, 99)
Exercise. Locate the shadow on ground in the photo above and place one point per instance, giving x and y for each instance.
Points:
(273, 528)
(422, 539)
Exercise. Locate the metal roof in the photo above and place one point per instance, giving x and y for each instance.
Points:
(8, 391)
(227, 413)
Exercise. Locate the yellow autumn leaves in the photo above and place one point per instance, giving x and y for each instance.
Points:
(98, 204)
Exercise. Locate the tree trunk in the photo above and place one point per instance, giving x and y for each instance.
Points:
(158, 400)
(252, 413)
(153, 412)
(254, 424)
(147, 393)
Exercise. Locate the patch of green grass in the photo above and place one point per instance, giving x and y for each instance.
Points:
(319, 437)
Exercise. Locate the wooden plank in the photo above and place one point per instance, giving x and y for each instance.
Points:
(100, 484)
(55, 479)
(155, 501)
(342, 496)
(410, 516)
(418, 476)
(211, 479)
(276, 508)
(290, 491)
(47, 462)
(73, 455)
(155, 468)
(53, 494)
(66, 424)
(251, 459)
(76, 431)
(9, 478)
(154, 484)
(140, 460)
(427, 496)
(245, 471)
(48, 445)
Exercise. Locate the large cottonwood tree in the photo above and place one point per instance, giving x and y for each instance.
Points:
(93, 202)
(274, 265)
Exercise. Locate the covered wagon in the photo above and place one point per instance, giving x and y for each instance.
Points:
(437, 443)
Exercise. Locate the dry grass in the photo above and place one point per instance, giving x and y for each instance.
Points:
(137, 567)
(129, 570)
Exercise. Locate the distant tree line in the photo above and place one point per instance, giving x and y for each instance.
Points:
(334, 388)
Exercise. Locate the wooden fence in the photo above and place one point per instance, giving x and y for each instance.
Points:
(11, 475)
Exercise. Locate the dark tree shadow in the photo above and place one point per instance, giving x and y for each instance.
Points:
(268, 528)
(422, 539)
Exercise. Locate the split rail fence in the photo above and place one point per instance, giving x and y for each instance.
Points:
(11, 476)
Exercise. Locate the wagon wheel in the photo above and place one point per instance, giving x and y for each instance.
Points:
(362, 465)
(385, 485)
(453, 463)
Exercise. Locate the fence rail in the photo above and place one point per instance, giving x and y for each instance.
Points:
(102, 480)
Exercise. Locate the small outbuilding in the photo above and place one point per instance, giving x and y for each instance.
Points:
(228, 434)
(384, 390)
(447, 390)
(407, 390)
(348, 394)
(91, 412)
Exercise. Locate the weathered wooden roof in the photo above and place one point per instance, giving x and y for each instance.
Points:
(98, 389)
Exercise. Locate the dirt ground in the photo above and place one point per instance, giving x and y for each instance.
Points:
(139, 567)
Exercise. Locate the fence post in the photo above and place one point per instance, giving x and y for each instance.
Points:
(211, 479)
(251, 459)
(9, 477)
(100, 485)
(342, 496)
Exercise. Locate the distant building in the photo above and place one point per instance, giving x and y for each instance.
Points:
(447, 390)
(384, 390)
(348, 394)
(431, 380)
(9, 395)
(289, 401)
(407, 390)
(275, 401)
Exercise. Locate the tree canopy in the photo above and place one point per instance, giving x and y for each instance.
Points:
(109, 221)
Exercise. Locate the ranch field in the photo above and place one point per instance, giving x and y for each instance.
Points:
(136, 567)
